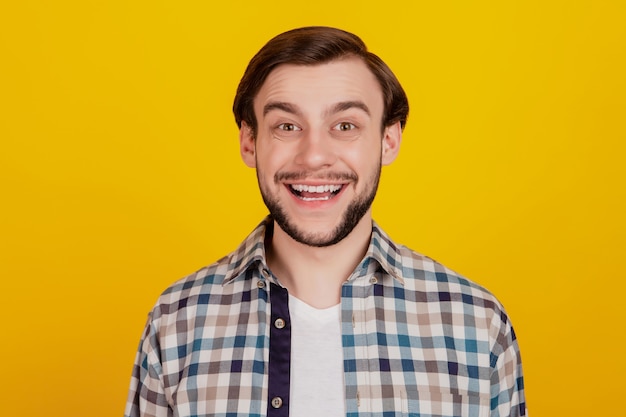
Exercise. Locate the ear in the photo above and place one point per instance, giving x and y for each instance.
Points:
(392, 136)
(247, 146)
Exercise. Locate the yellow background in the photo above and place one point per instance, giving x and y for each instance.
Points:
(120, 173)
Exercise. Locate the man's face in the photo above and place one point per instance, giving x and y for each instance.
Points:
(319, 147)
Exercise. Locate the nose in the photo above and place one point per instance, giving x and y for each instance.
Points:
(316, 150)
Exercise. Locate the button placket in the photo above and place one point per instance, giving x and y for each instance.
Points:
(280, 353)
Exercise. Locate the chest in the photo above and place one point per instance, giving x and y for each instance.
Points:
(400, 355)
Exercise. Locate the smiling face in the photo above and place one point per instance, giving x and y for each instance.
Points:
(319, 148)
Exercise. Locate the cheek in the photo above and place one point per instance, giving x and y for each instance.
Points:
(363, 158)
(269, 161)
(273, 154)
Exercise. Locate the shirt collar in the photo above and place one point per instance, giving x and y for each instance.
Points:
(250, 253)
(382, 252)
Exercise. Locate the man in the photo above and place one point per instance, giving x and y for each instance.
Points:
(318, 312)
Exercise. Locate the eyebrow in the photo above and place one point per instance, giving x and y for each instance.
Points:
(281, 105)
(337, 108)
(347, 105)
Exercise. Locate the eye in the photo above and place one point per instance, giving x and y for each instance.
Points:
(286, 131)
(346, 131)
(287, 127)
(344, 127)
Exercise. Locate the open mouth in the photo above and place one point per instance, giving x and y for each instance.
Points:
(315, 192)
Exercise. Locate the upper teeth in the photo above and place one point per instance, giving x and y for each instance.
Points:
(315, 188)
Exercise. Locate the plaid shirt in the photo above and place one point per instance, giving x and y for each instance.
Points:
(418, 340)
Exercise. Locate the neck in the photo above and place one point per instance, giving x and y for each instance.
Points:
(315, 274)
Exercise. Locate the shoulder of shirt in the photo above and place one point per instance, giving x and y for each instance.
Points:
(418, 272)
(213, 278)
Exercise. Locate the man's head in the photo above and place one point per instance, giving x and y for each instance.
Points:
(313, 46)
(318, 116)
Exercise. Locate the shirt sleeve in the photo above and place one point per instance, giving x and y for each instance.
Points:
(507, 381)
(146, 396)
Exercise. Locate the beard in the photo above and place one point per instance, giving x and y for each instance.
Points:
(350, 218)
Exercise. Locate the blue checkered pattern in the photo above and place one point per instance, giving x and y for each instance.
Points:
(418, 340)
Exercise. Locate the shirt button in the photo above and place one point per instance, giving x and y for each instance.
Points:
(279, 324)
(260, 284)
(373, 280)
(277, 402)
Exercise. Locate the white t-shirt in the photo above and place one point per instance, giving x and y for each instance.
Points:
(317, 385)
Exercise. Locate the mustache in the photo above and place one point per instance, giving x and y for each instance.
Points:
(332, 176)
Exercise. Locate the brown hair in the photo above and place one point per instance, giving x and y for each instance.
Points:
(311, 46)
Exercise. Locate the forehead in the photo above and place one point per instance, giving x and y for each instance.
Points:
(318, 86)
